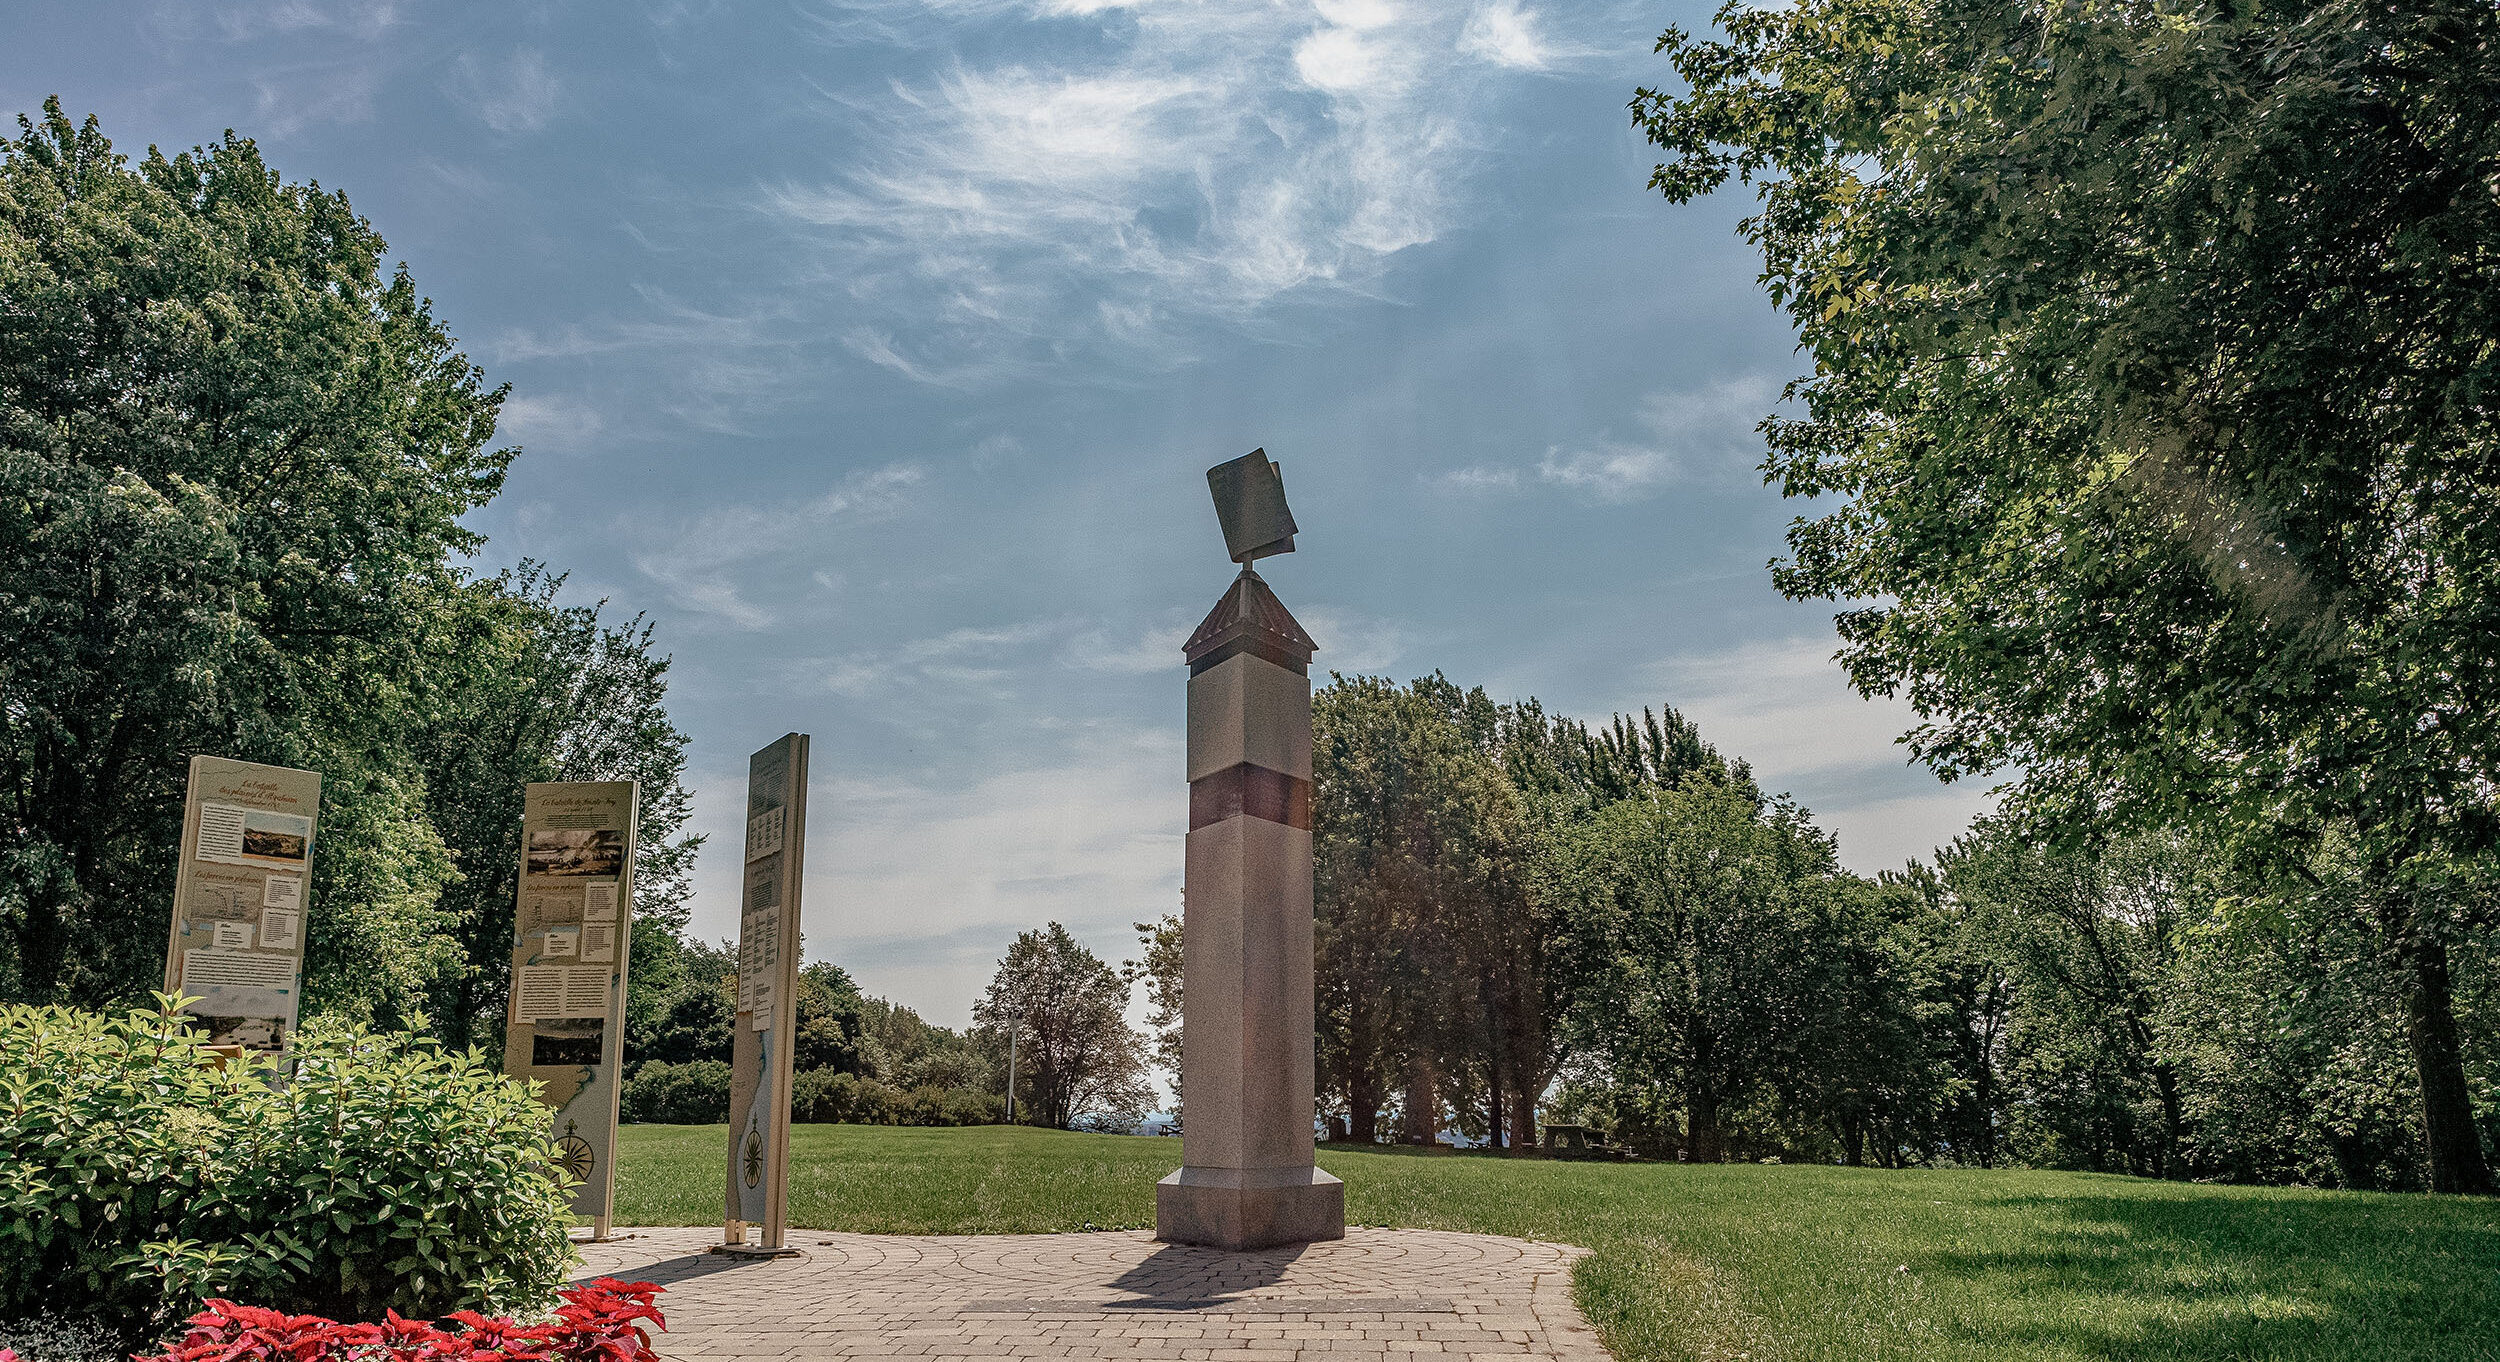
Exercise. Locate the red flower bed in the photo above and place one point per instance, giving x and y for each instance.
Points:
(599, 1321)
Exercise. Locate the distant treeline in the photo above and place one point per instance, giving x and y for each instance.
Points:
(858, 1059)
(1619, 920)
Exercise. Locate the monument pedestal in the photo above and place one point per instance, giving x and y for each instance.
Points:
(1247, 1060)
(1249, 1208)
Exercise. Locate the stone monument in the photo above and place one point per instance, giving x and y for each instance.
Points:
(768, 993)
(1247, 1178)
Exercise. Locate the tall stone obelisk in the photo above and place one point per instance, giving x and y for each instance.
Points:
(1247, 1178)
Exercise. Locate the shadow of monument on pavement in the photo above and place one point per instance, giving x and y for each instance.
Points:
(1188, 1272)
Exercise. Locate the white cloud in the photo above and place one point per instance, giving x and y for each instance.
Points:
(702, 562)
(1156, 650)
(918, 887)
(1688, 432)
(1787, 707)
(1610, 471)
(515, 95)
(549, 421)
(1506, 33)
(1354, 641)
(979, 657)
(1888, 833)
(1193, 160)
(1480, 478)
(992, 450)
(361, 20)
(673, 326)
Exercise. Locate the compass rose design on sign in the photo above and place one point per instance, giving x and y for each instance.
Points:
(754, 1157)
(574, 1156)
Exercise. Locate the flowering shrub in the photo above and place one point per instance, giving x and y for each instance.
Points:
(599, 1321)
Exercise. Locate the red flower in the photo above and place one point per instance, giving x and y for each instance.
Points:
(598, 1321)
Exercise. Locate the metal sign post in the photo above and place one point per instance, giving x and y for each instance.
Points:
(240, 889)
(572, 938)
(760, 1067)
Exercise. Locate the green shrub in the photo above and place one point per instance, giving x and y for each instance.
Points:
(930, 1105)
(140, 1172)
(827, 1097)
(402, 1175)
(692, 1094)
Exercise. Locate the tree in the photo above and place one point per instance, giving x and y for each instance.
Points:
(1706, 917)
(908, 1052)
(2091, 942)
(832, 1027)
(1408, 818)
(234, 455)
(1160, 971)
(695, 1019)
(1066, 1010)
(520, 689)
(2158, 433)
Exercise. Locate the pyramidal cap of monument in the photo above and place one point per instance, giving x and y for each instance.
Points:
(1247, 1178)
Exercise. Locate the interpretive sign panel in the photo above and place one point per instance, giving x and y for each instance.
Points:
(238, 934)
(572, 934)
(768, 986)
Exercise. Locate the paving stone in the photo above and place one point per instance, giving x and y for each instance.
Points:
(1376, 1294)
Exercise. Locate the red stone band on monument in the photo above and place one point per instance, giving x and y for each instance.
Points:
(1252, 790)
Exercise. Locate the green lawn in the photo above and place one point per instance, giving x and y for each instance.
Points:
(1771, 1264)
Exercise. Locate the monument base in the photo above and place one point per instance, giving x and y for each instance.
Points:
(1248, 1208)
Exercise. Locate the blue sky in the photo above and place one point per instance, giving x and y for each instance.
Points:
(877, 349)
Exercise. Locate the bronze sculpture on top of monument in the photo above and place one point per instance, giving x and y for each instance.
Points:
(1247, 1178)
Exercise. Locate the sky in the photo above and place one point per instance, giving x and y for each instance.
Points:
(875, 350)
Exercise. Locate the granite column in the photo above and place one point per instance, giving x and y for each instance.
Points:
(1248, 1179)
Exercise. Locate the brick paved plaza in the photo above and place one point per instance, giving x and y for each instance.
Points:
(1375, 1294)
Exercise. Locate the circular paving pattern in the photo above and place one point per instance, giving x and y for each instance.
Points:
(1116, 1294)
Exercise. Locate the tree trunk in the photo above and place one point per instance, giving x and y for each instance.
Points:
(1493, 1083)
(1363, 1104)
(2448, 1134)
(1701, 1126)
(43, 942)
(1423, 1113)
(1523, 1132)
(1362, 1083)
(2166, 1082)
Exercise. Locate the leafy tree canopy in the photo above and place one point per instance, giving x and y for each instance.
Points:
(235, 454)
(2155, 353)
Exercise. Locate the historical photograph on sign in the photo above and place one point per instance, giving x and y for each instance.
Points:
(576, 851)
(557, 1043)
(244, 836)
(252, 1033)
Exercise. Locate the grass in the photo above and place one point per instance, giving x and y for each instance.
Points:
(1768, 1264)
